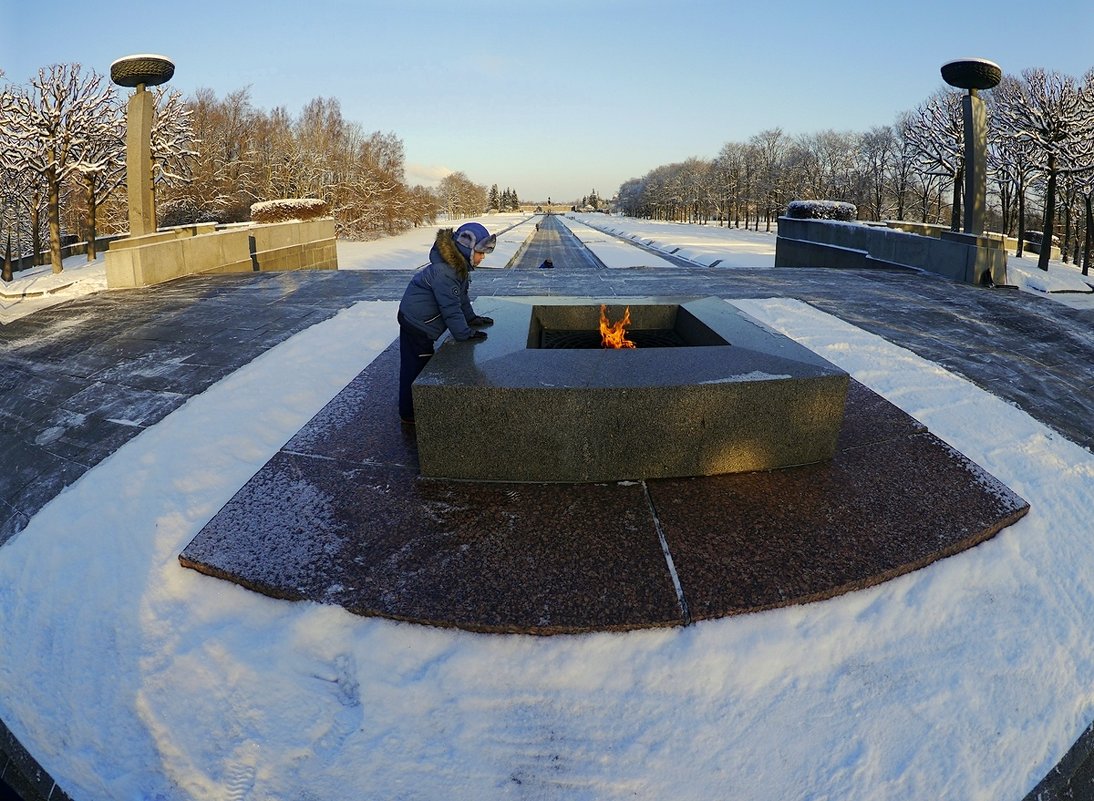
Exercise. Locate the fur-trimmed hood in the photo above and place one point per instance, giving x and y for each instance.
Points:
(445, 246)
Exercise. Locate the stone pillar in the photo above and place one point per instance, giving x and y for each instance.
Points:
(976, 156)
(138, 163)
(139, 72)
(974, 74)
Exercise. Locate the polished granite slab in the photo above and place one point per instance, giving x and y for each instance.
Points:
(342, 516)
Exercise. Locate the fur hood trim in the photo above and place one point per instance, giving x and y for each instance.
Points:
(446, 247)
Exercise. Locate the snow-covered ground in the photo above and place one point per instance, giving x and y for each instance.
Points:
(705, 245)
(711, 245)
(613, 252)
(410, 249)
(133, 678)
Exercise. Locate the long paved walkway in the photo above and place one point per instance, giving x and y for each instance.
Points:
(81, 378)
(553, 247)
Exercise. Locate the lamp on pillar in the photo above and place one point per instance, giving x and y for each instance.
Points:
(974, 74)
(139, 72)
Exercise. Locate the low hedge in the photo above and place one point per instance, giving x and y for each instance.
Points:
(822, 210)
(283, 210)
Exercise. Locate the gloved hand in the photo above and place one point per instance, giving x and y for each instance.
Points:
(477, 336)
(479, 320)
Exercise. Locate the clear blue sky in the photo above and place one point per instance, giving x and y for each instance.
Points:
(559, 98)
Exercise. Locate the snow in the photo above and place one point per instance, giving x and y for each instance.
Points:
(137, 679)
(39, 287)
(705, 245)
(410, 249)
(613, 252)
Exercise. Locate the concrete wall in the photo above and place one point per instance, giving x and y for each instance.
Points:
(825, 243)
(208, 248)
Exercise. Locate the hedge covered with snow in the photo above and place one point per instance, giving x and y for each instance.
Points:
(822, 210)
(305, 208)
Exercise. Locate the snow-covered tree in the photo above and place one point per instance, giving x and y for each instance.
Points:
(877, 158)
(726, 178)
(903, 165)
(101, 166)
(51, 126)
(769, 149)
(459, 196)
(936, 132)
(1011, 161)
(1054, 115)
(226, 169)
(172, 139)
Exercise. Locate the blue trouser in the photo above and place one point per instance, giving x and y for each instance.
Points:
(415, 350)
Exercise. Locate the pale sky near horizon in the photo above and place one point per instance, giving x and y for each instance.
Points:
(555, 99)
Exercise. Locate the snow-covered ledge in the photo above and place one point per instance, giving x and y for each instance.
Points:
(197, 249)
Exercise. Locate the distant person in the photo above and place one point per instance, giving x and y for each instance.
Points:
(547, 265)
(437, 299)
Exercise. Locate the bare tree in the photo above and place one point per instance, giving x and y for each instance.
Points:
(172, 139)
(1011, 161)
(224, 170)
(1055, 115)
(878, 157)
(51, 126)
(936, 132)
(101, 165)
(632, 198)
(726, 172)
(903, 164)
(459, 196)
(1085, 182)
(769, 148)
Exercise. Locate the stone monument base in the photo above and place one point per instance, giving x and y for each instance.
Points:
(734, 397)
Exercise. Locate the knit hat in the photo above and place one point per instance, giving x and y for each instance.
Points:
(473, 236)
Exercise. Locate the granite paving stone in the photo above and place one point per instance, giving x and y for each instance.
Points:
(12, 522)
(532, 558)
(82, 438)
(762, 540)
(361, 424)
(138, 407)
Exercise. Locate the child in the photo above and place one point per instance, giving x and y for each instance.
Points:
(437, 299)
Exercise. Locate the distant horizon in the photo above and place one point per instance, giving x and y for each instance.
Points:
(562, 100)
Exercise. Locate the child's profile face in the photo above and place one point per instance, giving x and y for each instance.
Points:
(476, 258)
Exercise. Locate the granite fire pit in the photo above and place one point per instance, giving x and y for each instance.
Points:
(731, 396)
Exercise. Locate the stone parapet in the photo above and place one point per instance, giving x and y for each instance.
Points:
(207, 248)
(824, 243)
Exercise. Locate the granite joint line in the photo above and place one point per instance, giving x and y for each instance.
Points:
(669, 563)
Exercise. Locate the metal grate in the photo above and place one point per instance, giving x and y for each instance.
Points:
(642, 338)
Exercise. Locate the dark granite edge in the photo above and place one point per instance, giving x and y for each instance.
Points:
(1070, 778)
(532, 631)
(21, 774)
(275, 591)
(279, 592)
